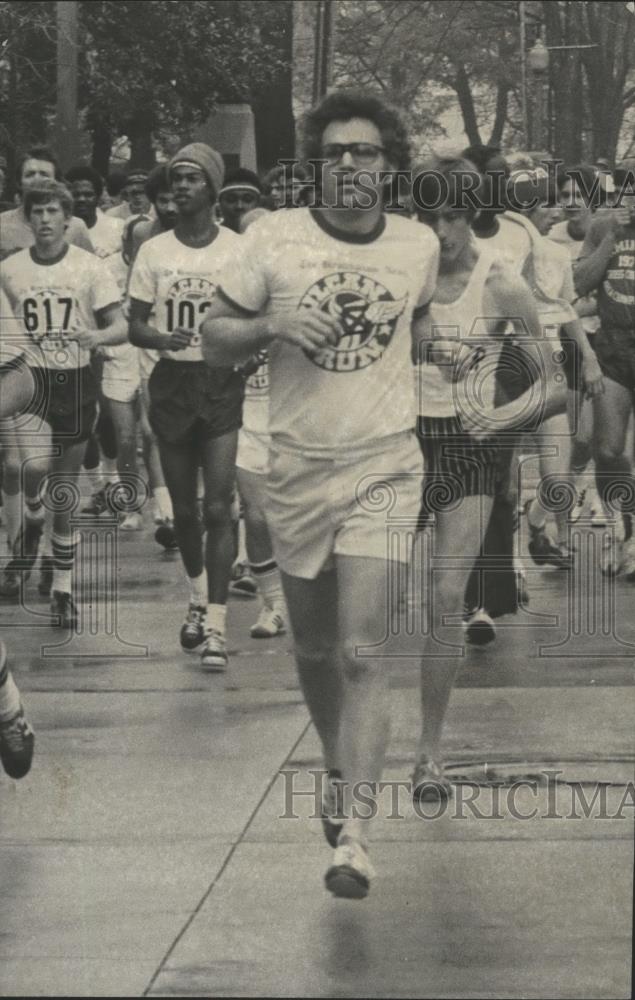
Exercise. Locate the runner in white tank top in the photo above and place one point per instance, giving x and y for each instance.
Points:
(475, 299)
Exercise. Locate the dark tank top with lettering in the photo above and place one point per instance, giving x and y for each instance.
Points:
(616, 294)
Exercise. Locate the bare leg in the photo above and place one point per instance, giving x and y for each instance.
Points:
(458, 536)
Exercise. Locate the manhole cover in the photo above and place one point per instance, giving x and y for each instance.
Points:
(609, 771)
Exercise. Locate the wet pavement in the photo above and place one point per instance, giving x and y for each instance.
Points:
(159, 846)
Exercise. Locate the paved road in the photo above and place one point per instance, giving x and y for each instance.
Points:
(146, 853)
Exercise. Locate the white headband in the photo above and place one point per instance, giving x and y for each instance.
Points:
(239, 187)
(187, 163)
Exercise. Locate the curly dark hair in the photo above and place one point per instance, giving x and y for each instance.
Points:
(84, 172)
(341, 106)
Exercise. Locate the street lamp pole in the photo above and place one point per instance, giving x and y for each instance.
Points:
(538, 63)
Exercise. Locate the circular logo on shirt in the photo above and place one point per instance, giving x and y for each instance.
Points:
(367, 313)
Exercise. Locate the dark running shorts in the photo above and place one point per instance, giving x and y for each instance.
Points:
(570, 359)
(191, 402)
(455, 464)
(67, 401)
(615, 350)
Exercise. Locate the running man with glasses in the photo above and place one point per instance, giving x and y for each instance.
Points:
(336, 295)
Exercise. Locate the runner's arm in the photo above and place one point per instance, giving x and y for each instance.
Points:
(231, 335)
(512, 300)
(111, 328)
(111, 321)
(591, 265)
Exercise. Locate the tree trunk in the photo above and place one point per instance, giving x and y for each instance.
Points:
(102, 147)
(607, 67)
(272, 105)
(139, 133)
(466, 103)
(502, 96)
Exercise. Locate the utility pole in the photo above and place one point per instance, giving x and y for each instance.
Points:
(66, 129)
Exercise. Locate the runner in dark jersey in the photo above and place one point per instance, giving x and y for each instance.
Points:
(607, 263)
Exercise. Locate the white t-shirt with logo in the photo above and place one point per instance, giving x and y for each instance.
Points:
(13, 343)
(55, 300)
(180, 282)
(361, 389)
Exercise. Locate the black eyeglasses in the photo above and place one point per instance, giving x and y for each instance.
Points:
(362, 153)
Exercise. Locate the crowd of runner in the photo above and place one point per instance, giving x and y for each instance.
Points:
(251, 357)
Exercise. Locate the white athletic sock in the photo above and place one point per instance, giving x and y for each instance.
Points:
(198, 589)
(64, 549)
(109, 465)
(62, 580)
(13, 511)
(536, 515)
(96, 479)
(46, 542)
(267, 576)
(9, 697)
(163, 503)
(217, 617)
(242, 547)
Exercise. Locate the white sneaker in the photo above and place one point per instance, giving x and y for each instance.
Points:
(132, 522)
(612, 555)
(214, 652)
(351, 872)
(479, 628)
(628, 559)
(269, 624)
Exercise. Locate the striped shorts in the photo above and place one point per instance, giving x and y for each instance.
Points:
(456, 465)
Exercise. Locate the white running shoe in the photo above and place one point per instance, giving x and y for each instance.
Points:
(612, 555)
(132, 522)
(214, 652)
(269, 624)
(351, 872)
(479, 628)
(628, 559)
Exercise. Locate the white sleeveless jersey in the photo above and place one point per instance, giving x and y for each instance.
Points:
(450, 379)
(180, 283)
(560, 234)
(55, 300)
(353, 393)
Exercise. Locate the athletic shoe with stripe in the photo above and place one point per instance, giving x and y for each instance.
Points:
(214, 652)
(429, 781)
(193, 628)
(269, 624)
(351, 872)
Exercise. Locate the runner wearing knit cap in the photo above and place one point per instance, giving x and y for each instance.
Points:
(195, 411)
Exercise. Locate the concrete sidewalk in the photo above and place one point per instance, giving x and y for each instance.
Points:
(146, 852)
